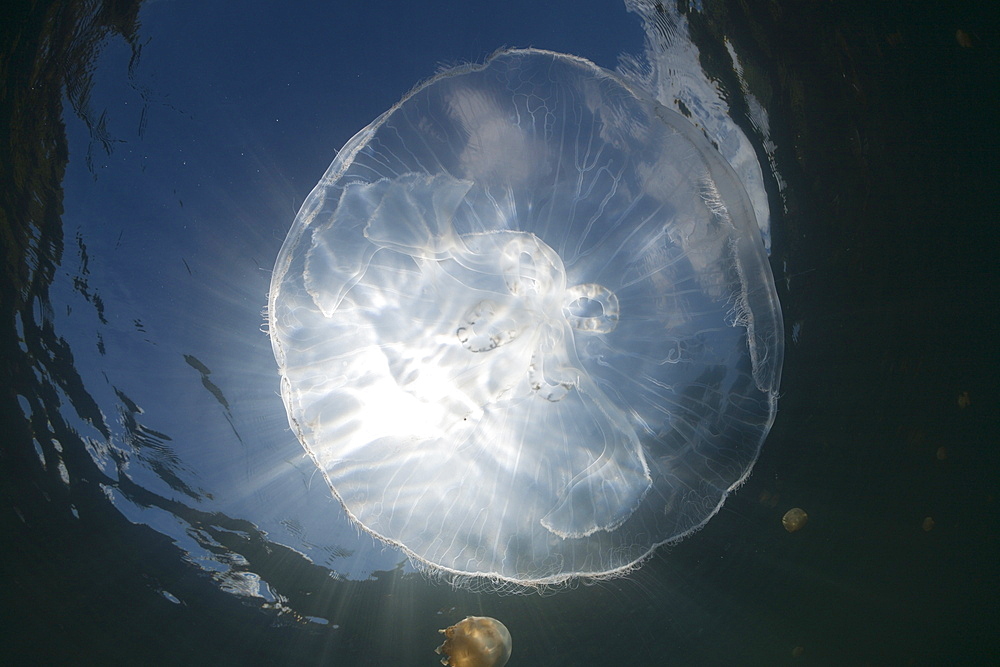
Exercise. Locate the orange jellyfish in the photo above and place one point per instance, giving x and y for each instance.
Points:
(794, 519)
(476, 641)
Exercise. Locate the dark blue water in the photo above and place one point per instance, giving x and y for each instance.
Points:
(157, 510)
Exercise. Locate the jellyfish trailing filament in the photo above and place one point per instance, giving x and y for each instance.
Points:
(525, 324)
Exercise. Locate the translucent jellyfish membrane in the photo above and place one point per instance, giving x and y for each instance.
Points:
(525, 324)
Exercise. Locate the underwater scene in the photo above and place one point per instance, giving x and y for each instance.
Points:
(560, 333)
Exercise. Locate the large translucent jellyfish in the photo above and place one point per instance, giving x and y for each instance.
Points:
(525, 324)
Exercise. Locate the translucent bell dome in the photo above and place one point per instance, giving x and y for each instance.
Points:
(525, 324)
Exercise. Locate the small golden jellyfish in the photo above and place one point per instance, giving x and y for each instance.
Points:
(477, 641)
(928, 524)
(963, 400)
(768, 498)
(942, 453)
(794, 519)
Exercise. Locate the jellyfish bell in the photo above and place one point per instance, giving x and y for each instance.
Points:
(525, 324)
(476, 641)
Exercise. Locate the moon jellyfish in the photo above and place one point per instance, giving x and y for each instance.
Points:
(476, 641)
(525, 324)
